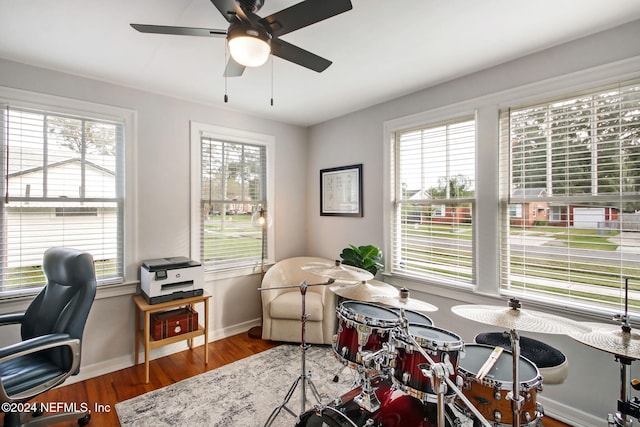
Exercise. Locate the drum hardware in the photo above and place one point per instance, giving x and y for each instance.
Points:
(490, 393)
(338, 271)
(397, 409)
(514, 318)
(440, 373)
(362, 327)
(402, 300)
(305, 376)
(624, 343)
(367, 399)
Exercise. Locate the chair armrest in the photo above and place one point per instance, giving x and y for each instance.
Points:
(35, 345)
(11, 319)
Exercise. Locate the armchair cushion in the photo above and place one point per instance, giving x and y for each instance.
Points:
(282, 308)
(288, 306)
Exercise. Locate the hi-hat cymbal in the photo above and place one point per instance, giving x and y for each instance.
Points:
(338, 271)
(364, 290)
(610, 338)
(516, 318)
(402, 300)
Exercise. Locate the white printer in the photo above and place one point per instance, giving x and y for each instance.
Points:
(168, 279)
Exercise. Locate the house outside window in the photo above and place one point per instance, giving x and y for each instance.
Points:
(234, 210)
(63, 177)
(434, 194)
(584, 151)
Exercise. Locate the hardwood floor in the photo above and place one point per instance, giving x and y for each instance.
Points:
(108, 389)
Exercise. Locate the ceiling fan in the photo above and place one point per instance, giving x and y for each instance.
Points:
(252, 39)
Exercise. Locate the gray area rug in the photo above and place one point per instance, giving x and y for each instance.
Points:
(241, 394)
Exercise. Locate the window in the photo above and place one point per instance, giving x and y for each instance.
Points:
(63, 181)
(434, 175)
(233, 195)
(583, 151)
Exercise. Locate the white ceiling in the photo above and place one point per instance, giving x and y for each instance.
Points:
(380, 50)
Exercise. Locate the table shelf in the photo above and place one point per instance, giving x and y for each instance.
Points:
(144, 309)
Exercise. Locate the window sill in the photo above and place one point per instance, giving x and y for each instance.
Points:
(468, 295)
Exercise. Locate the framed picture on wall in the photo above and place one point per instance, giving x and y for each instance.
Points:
(341, 191)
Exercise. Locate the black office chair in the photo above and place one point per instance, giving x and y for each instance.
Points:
(51, 331)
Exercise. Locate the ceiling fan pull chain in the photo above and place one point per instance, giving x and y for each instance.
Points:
(226, 98)
(272, 80)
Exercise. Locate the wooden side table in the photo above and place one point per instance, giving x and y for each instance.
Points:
(145, 309)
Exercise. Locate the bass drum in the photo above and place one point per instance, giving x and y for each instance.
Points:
(397, 409)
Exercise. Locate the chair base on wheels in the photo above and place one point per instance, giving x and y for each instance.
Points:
(551, 362)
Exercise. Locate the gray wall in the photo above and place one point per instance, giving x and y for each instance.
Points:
(592, 388)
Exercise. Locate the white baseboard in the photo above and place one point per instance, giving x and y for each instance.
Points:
(569, 415)
(122, 362)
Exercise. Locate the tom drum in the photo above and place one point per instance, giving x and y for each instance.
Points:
(489, 394)
(362, 327)
(441, 346)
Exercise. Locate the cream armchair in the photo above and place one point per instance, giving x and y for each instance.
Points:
(282, 308)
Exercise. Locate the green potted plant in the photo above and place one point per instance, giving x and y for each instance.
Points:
(366, 257)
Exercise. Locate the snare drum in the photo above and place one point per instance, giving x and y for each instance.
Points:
(489, 394)
(397, 409)
(414, 316)
(439, 344)
(361, 327)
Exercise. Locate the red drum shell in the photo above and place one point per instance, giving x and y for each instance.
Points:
(361, 327)
(438, 344)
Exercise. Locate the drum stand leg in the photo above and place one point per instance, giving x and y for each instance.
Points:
(305, 377)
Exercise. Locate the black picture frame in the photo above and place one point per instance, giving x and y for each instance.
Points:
(341, 191)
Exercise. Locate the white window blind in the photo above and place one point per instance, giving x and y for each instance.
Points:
(233, 183)
(62, 181)
(572, 168)
(434, 176)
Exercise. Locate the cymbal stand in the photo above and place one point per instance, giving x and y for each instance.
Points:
(305, 377)
(439, 375)
(625, 407)
(517, 401)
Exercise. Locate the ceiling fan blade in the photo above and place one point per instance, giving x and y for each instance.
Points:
(233, 69)
(299, 56)
(228, 8)
(180, 31)
(303, 14)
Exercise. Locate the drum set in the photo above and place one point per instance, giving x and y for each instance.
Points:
(411, 373)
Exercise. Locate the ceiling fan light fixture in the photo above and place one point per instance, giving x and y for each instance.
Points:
(248, 46)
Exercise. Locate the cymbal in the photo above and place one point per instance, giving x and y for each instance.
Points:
(402, 300)
(610, 338)
(524, 320)
(364, 290)
(338, 271)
